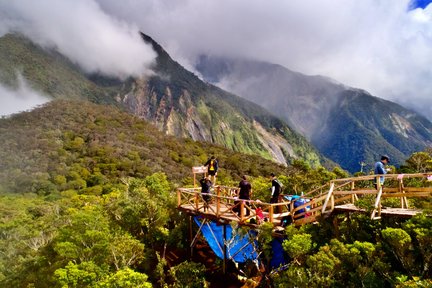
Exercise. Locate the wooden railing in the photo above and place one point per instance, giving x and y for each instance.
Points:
(323, 200)
(224, 204)
(349, 190)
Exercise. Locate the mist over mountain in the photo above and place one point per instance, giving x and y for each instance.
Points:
(347, 125)
(172, 98)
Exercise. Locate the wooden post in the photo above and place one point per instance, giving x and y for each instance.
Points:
(271, 213)
(377, 206)
(242, 206)
(190, 236)
(196, 201)
(332, 202)
(330, 193)
(218, 193)
(178, 198)
(336, 227)
(353, 195)
(378, 182)
(401, 191)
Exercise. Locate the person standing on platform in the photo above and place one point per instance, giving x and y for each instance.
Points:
(206, 185)
(245, 194)
(380, 169)
(212, 168)
(275, 189)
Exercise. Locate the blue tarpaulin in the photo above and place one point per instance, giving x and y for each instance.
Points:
(279, 256)
(213, 233)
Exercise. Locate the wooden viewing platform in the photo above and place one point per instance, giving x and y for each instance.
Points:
(337, 196)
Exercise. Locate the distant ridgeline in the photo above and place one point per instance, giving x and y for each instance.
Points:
(173, 99)
(347, 125)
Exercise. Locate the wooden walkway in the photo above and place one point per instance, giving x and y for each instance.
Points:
(337, 196)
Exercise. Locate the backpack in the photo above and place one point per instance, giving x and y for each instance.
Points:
(280, 186)
(211, 166)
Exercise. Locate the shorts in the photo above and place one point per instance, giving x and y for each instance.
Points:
(212, 173)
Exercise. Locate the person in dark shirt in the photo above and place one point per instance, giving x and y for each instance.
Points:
(212, 167)
(275, 189)
(206, 185)
(245, 193)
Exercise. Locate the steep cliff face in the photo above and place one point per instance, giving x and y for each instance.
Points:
(174, 99)
(347, 125)
(180, 104)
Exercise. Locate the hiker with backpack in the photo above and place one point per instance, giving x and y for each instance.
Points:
(212, 168)
(276, 189)
(245, 190)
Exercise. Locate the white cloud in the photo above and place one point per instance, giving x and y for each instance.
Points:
(21, 99)
(82, 31)
(376, 45)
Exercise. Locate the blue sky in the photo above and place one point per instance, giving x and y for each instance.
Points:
(420, 3)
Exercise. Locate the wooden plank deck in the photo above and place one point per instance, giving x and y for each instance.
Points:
(385, 211)
(227, 215)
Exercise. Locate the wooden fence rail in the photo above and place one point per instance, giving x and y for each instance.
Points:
(335, 194)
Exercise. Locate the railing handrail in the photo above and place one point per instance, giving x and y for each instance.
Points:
(319, 202)
(233, 198)
(386, 176)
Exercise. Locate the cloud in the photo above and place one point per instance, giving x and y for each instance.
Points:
(380, 46)
(21, 99)
(83, 32)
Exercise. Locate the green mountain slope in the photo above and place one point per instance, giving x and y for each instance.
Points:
(174, 99)
(347, 125)
(82, 146)
(362, 127)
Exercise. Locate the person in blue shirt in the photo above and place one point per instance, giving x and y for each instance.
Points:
(380, 169)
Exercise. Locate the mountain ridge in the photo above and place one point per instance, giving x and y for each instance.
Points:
(333, 116)
(173, 99)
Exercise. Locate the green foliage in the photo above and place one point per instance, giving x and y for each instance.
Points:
(298, 245)
(125, 278)
(72, 145)
(140, 211)
(420, 162)
(91, 208)
(265, 237)
(87, 274)
(188, 275)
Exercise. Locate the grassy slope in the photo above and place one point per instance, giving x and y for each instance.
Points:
(82, 141)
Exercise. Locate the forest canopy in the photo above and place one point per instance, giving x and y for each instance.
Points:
(87, 200)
